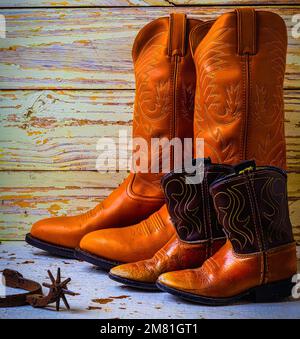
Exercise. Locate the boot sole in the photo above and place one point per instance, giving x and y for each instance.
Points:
(101, 263)
(272, 292)
(60, 251)
(135, 284)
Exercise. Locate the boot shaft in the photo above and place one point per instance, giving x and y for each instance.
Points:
(252, 206)
(165, 90)
(240, 65)
(165, 79)
(190, 205)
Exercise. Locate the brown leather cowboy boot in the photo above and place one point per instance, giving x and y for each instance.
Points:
(199, 233)
(240, 66)
(259, 257)
(110, 247)
(165, 86)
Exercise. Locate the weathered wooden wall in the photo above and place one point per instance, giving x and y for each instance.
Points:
(66, 79)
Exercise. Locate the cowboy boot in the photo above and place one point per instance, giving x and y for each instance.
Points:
(109, 247)
(199, 235)
(165, 86)
(240, 66)
(259, 257)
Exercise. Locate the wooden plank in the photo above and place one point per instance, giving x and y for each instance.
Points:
(294, 208)
(91, 47)
(236, 2)
(59, 130)
(292, 128)
(29, 196)
(127, 3)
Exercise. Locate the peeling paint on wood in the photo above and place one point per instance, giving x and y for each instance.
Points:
(29, 196)
(59, 130)
(86, 3)
(26, 197)
(127, 3)
(73, 48)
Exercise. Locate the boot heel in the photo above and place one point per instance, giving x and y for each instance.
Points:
(272, 292)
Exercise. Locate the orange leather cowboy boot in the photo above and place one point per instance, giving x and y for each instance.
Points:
(165, 86)
(259, 257)
(199, 235)
(240, 65)
(110, 247)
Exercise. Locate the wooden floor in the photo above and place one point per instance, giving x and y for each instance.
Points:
(102, 298)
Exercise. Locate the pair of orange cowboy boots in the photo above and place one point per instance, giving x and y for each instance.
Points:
(164, 108)
(234, 67)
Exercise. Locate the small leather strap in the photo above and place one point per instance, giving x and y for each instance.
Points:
(15, 280)
(246, 31)
(177, 34)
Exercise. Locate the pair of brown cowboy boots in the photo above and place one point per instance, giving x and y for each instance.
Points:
(221, 81)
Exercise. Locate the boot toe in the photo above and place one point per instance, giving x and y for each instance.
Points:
(46, 229)
(123, 271)
(135, 271)
(127, 271)
(120, 244)
(106, 244)
(131, 243)
(55, 231)
(179, 280)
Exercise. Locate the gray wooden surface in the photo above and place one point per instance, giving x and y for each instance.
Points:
(117, 301)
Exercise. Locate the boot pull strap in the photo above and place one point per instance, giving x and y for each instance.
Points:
(177, 34)
(246, 31)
